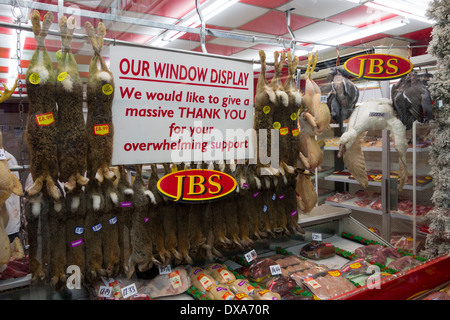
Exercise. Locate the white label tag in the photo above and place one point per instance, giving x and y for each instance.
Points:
(2, 154)
(128, 291)
(165, 270)
(323, 99)
(250, 256)
(104, 292)
(317, 237)
(276, 269)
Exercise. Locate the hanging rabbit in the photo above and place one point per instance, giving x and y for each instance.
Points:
(41, 131)
(100, 95)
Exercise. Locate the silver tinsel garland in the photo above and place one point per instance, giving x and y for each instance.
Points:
(438, 241)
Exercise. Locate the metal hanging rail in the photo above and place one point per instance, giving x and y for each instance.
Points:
(114, 17)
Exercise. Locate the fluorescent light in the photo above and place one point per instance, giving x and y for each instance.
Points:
(360, 33)
(191, 19)
(411, 9)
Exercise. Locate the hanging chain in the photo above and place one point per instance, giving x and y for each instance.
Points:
(18, 14)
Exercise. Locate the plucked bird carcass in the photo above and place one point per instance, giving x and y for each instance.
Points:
(342, 97)
(315, 116)
(41, 131)
(411, 99)
(374, 114)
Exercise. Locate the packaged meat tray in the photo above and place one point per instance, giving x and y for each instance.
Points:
(300, 275)
(260, 269)
(317, 250)
(201, 279)
(404, 263)
(288, 261)
(340, 197)
(220, 273)
(241, 286)
(280, 284)
(328, 285)
(355, 268)
(264, 294)
(303, 264)
(219, 292)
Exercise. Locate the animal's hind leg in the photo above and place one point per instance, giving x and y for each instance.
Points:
(35, 188)
(82, 180)
(52, 189)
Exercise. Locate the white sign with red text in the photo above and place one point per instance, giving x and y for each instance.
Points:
(179, 107)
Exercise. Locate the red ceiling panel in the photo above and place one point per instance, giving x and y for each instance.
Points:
(4, 53)
(126, 36)
(164, 8)
(218, 49)
(424, 34)
(271, 4)
(274, 23)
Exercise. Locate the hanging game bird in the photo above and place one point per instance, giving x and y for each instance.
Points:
(411, 99)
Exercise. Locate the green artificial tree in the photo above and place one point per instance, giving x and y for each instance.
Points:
(438, 241)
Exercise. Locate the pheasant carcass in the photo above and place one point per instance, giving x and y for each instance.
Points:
(342, 97)
(315, 116)
(411, 99)
(374, 114)
(41, 132)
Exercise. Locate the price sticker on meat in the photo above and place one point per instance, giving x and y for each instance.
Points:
(101, 129)
(45, 119)
(275, 269)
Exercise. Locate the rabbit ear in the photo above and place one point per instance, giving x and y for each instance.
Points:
(101, 32)
(90, 32)
(36, 22)
(48, 20)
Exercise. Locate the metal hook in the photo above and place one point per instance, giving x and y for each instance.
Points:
(202, 28)
(288, 25)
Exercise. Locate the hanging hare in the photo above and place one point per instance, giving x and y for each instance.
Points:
(72, 143)
(100, 95)
(41, 131)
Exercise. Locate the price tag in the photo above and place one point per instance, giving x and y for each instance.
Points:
(317, 237)
(79, 230)
(97, 227)
(175, 279)
(275, 270)
(104, 292)
(128, 291)
(101, 129)
(45, 119)
(34, 78)
(274, 196)
(284, 131)
(62, 76)
(250, 256)
(107, 89)
(313, 283)
(113, 220)
(295, 132)
(2, 154)
(265, 208)
(323, 99)
(165, 270)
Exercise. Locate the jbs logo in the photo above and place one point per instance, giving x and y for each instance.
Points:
(196, 185)
(101, 129)
(378, 66)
